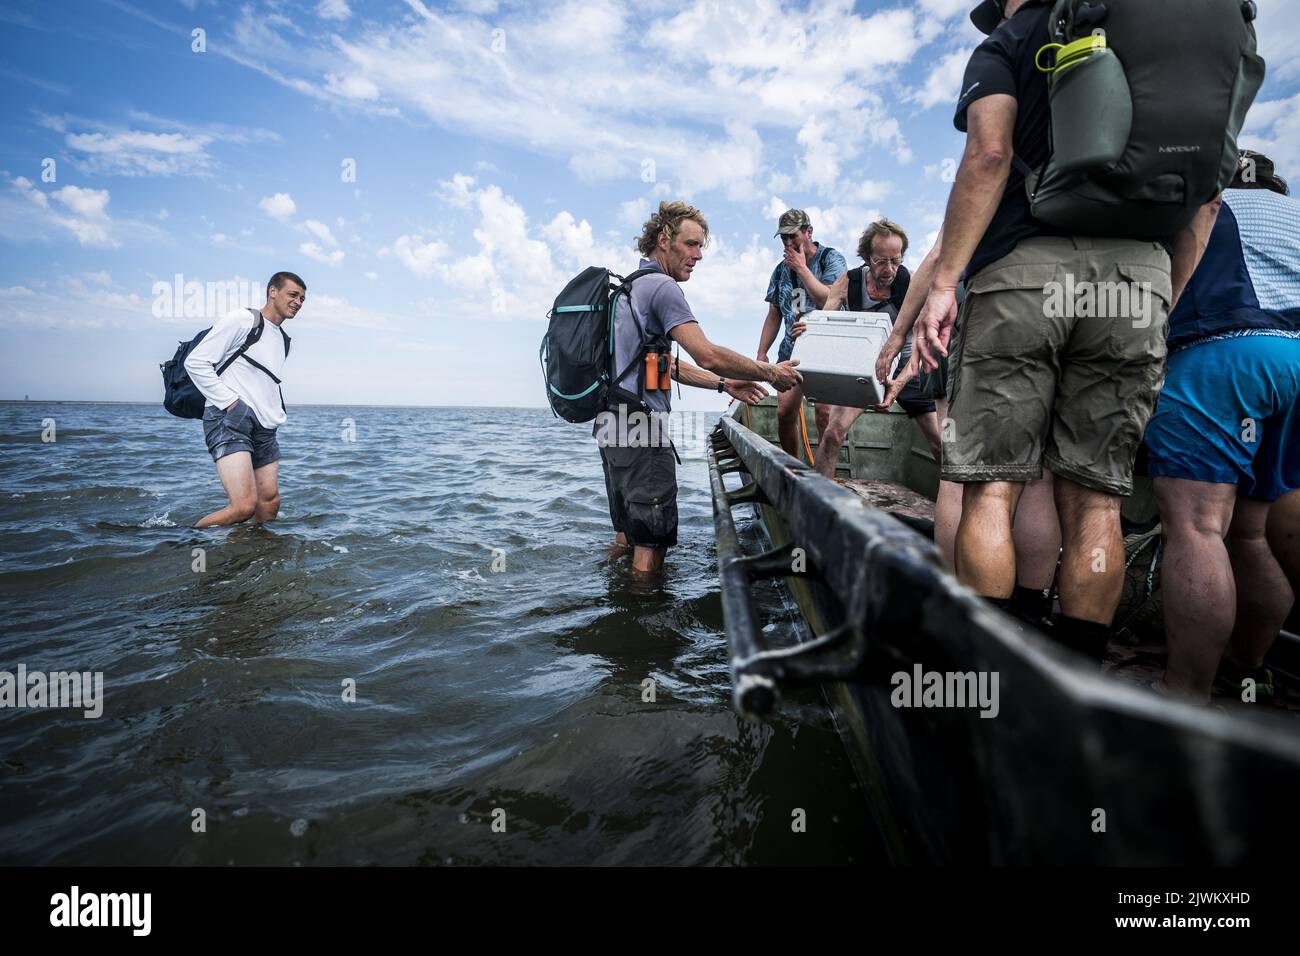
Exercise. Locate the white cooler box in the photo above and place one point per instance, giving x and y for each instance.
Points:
(837, 356)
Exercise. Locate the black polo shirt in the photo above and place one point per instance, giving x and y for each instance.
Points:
(1004, 63)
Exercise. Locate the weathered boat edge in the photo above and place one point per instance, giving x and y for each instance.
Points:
(877, 601)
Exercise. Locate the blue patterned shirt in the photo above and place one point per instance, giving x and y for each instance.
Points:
(827, 265)
(1249, 277)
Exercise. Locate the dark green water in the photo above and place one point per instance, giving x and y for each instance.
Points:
(518, 690)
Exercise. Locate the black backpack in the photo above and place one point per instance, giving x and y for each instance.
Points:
(181, 398)
(577, 351)
(1147, 99)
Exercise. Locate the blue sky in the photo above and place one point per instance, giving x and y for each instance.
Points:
(498, 149)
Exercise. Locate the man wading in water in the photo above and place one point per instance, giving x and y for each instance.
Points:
(245, 406)
(641, 472)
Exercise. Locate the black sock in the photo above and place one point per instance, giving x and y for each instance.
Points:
(1086, 637)
(1031, 603)
(1002, 604)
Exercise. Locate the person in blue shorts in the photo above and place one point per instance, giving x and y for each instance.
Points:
(1224, 442)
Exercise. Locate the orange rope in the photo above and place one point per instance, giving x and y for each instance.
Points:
(803, 427)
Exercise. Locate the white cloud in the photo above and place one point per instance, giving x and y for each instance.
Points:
(943, 85)
(88, 220)
(138, 153)
(372, 275)
(312, 251)
(752, 71)
(333, 10)
(419, 256)
(90, 300)
(86, 203)
(280, 206)
(320, 231)
(819, 167)
(352, 87)
(775, 206)
(634, 212)
(170, 148)
(945, 9)
(1272, 127)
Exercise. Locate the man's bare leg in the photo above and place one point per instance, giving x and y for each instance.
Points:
(648, 560)
(1037, 535)
(986, 553)
(1264, 597)
(1092, 565)
(831, 439)
(947, 504)
(947, 516)
(788, 404)
(236, 474)
(1283, 530)
(268, 492)
(928, 422)
(1200, 595)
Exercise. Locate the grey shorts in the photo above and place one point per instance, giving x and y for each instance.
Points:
(239, 430)
(642, 487)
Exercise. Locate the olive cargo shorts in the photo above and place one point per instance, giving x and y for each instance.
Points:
(1060, 362)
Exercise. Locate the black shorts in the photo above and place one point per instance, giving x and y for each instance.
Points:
(642, 487)
(913, 398)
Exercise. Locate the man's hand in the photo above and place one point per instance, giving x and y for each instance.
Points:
(784, 376)
(895, 385)
(798, 329)
(795, 260)
(751, 393)
(934, 326)
(888, 352)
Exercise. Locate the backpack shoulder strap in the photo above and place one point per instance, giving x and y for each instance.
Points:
(250, 340)
(624, 288)
(855, 289)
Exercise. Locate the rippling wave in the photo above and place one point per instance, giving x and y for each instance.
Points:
(227, 655)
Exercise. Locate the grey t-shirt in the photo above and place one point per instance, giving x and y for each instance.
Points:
(661, 306)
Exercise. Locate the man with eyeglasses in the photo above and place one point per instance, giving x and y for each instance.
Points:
(800, 283)
(879, 286)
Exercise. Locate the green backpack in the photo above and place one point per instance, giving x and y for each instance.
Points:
(1147, 99)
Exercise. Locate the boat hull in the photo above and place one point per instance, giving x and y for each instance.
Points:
(1075, 767)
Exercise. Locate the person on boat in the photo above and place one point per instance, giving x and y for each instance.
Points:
(1035, 530)
(879, 285)
(800, 283)
(1224, 442)
(245, 406)
(640, 472)
(1033, 386)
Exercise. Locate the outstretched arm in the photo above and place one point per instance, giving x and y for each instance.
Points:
(723, 361)
(751, 393)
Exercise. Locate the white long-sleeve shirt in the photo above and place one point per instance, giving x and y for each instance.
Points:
(242, 379)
